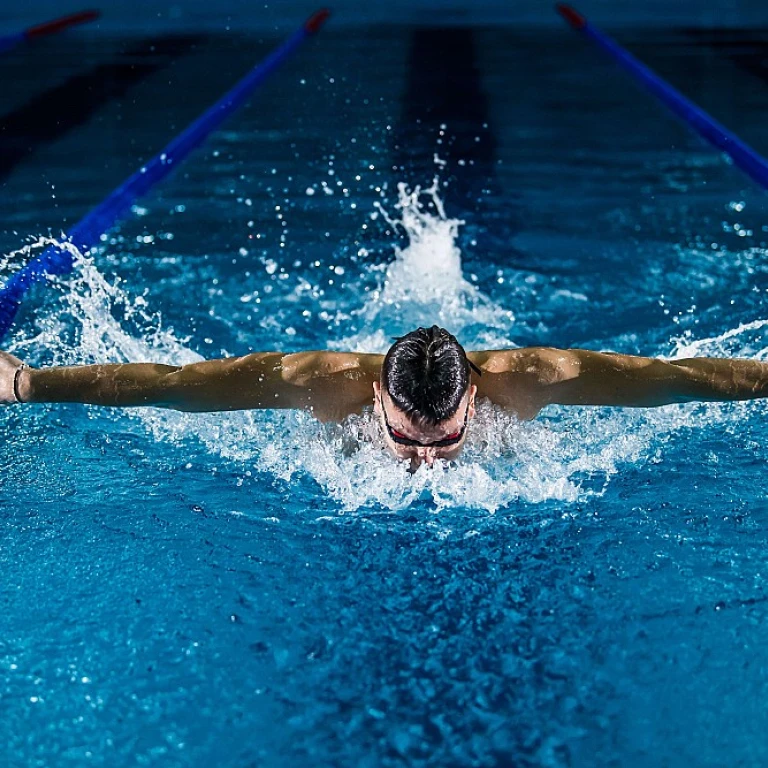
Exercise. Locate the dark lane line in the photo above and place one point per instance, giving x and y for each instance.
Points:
(746, 48)
(52, 114)
(444, 88)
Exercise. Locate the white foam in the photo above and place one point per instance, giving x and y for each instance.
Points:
(747, 340)
(424, 283)
(567, 455)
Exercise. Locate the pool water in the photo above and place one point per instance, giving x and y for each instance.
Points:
(258, 589)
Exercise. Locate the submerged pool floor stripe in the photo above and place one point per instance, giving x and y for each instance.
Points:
(746, 48)
(53, 113)
(444, 88)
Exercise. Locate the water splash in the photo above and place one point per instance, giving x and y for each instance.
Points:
(96, 320)
(568, 455)
(746, 340)
(424, 284)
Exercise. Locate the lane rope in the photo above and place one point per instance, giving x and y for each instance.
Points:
(743, 156)
(9, 42)
(88, 231)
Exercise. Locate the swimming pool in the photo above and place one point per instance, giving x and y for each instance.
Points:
(253, 589)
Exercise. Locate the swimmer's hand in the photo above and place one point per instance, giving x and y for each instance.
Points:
(9, 365)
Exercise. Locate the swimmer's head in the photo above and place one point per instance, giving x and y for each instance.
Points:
(425, 398)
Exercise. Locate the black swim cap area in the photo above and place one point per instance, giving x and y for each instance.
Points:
(426, 373)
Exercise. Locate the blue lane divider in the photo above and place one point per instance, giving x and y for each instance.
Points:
(87, 233)
(743, 156)
(8, 42)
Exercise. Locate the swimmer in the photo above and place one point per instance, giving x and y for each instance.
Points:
(423, 390)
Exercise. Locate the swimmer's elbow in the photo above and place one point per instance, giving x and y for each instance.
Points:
(192, 389)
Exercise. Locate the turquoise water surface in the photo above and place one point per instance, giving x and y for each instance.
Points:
(257, 589)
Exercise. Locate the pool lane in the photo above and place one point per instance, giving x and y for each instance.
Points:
(746, 48)
(153, 587)
(577, 152)
(52, 113)
(132, 116)
(445, 110)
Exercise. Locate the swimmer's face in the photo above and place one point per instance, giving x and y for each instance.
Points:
(399, 430)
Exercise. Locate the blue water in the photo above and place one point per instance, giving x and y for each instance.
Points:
(255, 589)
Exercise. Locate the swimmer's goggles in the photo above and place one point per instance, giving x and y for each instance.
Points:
(401, 439)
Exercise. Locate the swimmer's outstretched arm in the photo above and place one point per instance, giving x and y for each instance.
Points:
(332, 384)
(540, 376)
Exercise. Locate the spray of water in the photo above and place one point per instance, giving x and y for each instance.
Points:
(424, 283)
(567, 455)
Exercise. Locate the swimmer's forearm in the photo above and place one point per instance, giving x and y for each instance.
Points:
(595, 378)
(713, 379)
(254, 381)
(131, 384)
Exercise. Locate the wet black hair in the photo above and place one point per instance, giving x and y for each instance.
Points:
(426, 373)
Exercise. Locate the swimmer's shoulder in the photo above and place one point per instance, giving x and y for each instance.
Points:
(517, 379)
(544, 365)
(332, 385)
(302, 367)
